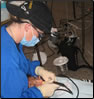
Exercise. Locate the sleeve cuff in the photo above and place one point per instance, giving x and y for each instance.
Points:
(33, 66)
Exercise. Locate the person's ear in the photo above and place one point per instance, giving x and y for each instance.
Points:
(27, 27)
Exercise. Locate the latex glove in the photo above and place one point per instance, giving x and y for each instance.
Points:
(48, 89)
(46, 75)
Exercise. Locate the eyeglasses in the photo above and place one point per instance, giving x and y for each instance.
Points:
(41, 35)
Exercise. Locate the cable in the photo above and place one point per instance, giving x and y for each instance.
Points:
(48, 46)
(51, 50)
(75, 85)
(63, 85)
(83, 57)
(82, 16)
(89, 66)
(78, 27)
(72, 82)
(44, 41)
(73, 25)
(77, 4)
(63, 90)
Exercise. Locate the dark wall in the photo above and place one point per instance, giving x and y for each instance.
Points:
(63, 9)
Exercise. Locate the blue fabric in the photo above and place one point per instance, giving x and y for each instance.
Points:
(3, 4)
(14, 70)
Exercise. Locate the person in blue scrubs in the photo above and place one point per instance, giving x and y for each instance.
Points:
(29, 21)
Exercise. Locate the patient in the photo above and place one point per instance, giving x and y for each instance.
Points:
(34, 81)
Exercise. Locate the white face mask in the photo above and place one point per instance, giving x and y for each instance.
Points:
(30, 43)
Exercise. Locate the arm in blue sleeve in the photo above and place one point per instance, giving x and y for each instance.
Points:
(32, 90)
(15, 85)
(32, 66)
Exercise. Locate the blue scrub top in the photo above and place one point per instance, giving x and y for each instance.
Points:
(14, 70)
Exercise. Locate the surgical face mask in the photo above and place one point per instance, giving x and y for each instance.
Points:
(30, 43)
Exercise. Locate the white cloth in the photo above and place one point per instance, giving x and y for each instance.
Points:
(85, 89)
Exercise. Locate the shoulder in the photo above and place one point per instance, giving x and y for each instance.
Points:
(7, 43)
(9, 52)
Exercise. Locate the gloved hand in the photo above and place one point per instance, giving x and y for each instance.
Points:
(46, 75)
(48, 89)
